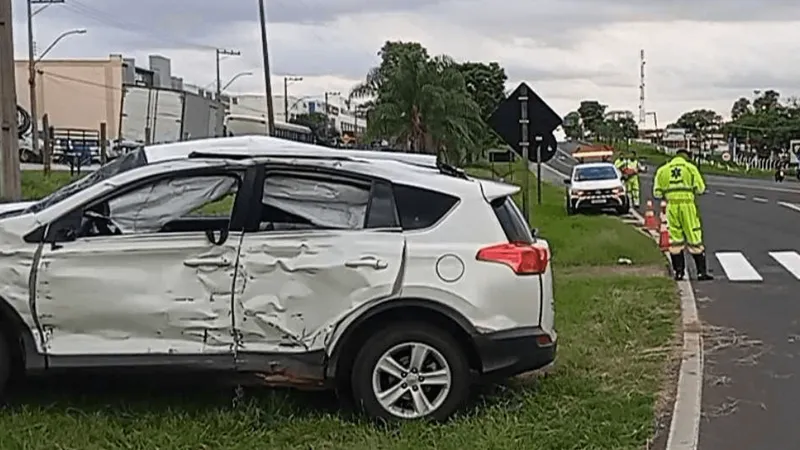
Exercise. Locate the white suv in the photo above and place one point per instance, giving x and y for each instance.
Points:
(380, 275)
(596, 186)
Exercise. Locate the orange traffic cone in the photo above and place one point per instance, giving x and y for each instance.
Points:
(650, 221)
(663, 236)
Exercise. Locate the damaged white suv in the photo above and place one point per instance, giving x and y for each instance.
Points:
(394, 281)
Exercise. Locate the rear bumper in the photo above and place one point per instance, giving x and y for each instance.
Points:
(514, 351)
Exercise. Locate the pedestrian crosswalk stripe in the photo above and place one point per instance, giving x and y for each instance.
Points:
(789, 260)
(737, 267)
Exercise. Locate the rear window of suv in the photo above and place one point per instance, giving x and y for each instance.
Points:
(421, 208)
(511, 220)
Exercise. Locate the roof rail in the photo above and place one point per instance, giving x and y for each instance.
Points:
(452, 171)
(241, 156)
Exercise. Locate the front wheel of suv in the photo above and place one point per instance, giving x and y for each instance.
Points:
(5, 365)
(411, 371)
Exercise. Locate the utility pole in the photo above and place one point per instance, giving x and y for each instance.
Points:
(34, 106)
(642, 110)
(9, 138)
(286, 81)
(220, 52)
(262, 16)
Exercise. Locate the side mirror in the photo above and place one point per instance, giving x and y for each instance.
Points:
(535, 232)
(567, 181)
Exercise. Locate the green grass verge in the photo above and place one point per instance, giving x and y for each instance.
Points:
(581, 240)
(614, 340)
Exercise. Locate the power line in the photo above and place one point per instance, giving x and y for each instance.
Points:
(108, 19)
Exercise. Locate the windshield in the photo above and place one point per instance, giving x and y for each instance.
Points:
(595, 173)
(124, 163)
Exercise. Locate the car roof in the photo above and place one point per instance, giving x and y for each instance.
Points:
(263, 146)
(420, 170)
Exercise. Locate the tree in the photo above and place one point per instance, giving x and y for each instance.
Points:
(740, 108)
(592, 115)
(486, 84)
(767, 101)
(391, 53)
(699, 121)
(572, 126)
(422, 103)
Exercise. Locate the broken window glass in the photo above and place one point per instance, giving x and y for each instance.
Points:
(292, 202)
(149, 209)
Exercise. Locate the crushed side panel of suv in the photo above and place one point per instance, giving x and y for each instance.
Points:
(397, 283)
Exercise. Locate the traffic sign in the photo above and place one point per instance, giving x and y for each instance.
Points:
(726, 156)
(795, 146)
(523, 109)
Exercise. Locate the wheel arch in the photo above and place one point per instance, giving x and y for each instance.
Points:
(401, 310)
(19, 338)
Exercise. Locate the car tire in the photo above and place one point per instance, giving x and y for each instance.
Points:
(5, 365)
(570, 209)
(443, 354)
(27, 156)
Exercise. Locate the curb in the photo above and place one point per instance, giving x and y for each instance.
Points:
(684, 430)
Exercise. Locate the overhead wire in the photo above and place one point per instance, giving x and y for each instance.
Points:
(109, 19)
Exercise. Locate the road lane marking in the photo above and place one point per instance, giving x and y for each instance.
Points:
(737, 267)
(789, 260)
(790, 206)
(740, 196)
(760, 200)
(720, 193)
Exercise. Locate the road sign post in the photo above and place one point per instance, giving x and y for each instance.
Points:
(526, 148)
(539, 144)
(524, 119)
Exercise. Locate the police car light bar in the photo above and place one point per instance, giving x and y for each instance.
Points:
(591, 154)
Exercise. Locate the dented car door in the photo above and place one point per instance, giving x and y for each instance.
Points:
(326, 244)
(160, 285)
(297, 286)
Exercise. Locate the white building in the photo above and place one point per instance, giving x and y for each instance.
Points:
(344, 120)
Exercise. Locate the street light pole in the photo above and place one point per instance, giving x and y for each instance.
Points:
(220, 52)
(32, 69)
(286, 81)
(234, 78)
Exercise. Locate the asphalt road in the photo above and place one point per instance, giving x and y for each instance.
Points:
(751, 311)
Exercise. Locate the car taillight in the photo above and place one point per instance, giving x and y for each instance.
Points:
(523, 258)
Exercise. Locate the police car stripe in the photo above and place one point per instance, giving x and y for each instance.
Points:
(737, 267)
(789, 260)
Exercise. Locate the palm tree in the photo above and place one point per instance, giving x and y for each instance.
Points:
(423, 105)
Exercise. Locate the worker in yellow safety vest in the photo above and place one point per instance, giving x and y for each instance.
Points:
(629, 166)
(679, 182)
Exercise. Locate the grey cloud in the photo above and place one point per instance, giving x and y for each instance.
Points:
(557, 22)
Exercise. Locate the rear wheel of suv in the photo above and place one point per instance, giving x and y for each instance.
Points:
(411, 371)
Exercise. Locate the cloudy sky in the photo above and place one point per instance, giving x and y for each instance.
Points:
(700, 53)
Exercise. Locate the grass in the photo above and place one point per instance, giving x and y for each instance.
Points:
(616, 333)
(587, 240)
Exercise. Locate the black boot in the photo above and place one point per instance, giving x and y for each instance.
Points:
(678, 265)
(702, 269)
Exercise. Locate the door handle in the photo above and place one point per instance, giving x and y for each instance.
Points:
(207, 262)
(368, 261)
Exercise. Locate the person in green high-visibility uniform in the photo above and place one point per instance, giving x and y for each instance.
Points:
(679, 182)
(629, 166)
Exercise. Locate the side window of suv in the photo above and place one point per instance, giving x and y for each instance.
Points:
(421, 208)
(301, 201)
